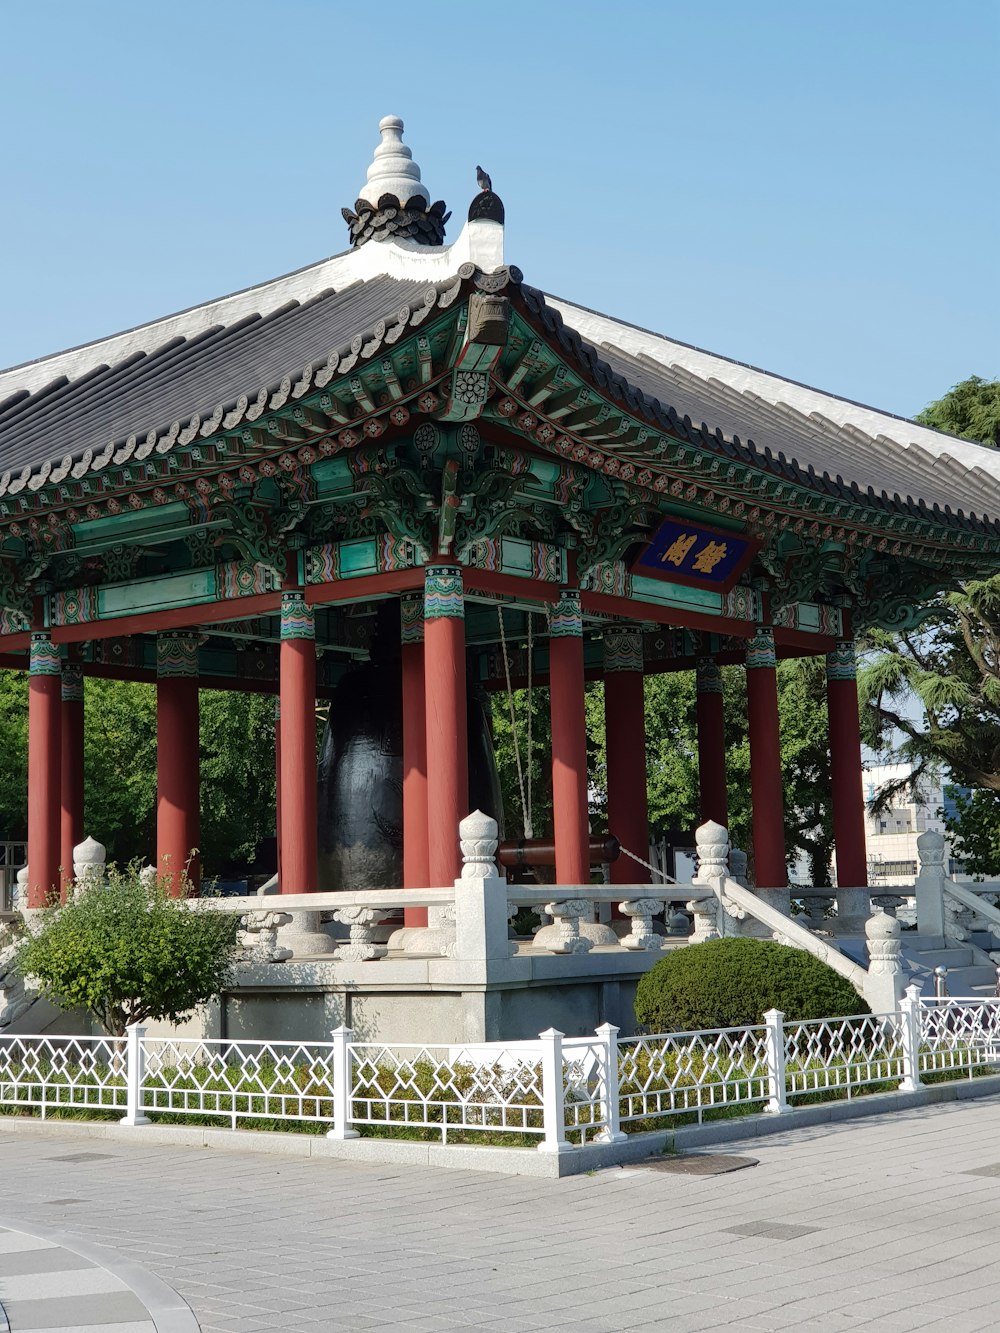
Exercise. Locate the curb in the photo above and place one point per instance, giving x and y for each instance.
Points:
(504, 1161)
(168, 1310)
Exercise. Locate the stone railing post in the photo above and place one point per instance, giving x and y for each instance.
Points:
(363, 922)
(928, 888)
(482, 911)
(884, 982)
(19, 891)
(89, 864)
(608, 1056)
(712, 840)
(738, 867)
(641, 912)
(909, 1013)
(258, 937)
(854, 906)
(564, 936)
(135, 1065)
(343, 1074)
(747, 925)
(774, 1041)
(553, 1094)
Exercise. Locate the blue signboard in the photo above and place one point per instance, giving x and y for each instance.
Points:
(689, 553)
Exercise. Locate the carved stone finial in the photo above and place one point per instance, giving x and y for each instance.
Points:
(712, 840)
(930, 848)
(393, 204)
(884, 983)
(89, 859)
(478, 840)
(393, 170)
(881, 926)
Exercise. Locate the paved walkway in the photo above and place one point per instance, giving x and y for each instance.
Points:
(54, 1285)
(891, 1222)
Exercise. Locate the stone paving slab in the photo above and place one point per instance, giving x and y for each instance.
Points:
(884, 1223)
(53, 1284)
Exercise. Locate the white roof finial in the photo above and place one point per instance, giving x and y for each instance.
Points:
(393, 170)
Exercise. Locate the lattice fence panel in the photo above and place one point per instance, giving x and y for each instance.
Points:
(691, 1071)
(491, 1089)
(842, 1054)
(243, 1080)
(957, 1034)
(585, 1091)
(51, 1072)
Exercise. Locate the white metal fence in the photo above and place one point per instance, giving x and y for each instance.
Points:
(555, 1093)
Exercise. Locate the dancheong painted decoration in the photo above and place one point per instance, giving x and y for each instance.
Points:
(408, 469)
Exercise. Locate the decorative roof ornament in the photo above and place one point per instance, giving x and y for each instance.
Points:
(486, 206)
(394, 205)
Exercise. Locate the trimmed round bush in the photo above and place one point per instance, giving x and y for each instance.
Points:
(732, 982)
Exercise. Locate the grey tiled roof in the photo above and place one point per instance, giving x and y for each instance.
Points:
(147, 391)
(803, 439)
(788, 429)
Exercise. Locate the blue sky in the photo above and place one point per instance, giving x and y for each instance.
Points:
(810, 187)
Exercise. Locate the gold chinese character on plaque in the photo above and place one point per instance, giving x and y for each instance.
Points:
(706, 559)
(678, 550)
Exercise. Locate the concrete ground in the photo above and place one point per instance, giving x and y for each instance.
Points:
(891, 1222)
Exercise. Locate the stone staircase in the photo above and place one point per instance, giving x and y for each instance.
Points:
(971, 971)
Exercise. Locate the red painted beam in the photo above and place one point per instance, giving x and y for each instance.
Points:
(632, 609)
(510, 585)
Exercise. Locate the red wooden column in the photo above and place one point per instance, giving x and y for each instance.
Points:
(765, 762)
(416, 866)
(712, 786)
(446, 720)
(44, 706)
(297, 777)
(277, 787)
(570, 823)
(625, 744)
(178, 797)
(71, 769)
(845, 767)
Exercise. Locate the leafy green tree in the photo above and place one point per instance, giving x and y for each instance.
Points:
(971, 410)
(126, 953)
(672, 758)
(13, 754)
(237, 777)
(974, 830)
(119, 767)
(237, 769)
(950, 669)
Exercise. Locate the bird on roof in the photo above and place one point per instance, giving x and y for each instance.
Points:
(483, 180)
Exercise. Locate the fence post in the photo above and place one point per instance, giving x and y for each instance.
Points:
(553, 1103)
(342, 1078)
(774, 1040)
(608, 1056)
(909, 1012)
(135, 1064)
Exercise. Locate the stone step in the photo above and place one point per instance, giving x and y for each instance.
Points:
(954, 956)
(971, 981)
(911, 940)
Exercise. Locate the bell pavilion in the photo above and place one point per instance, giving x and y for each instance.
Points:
(410, 452)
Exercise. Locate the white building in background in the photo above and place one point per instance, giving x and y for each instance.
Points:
(891, 838)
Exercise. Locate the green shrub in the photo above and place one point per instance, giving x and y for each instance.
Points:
(732, 982)
(127, 952)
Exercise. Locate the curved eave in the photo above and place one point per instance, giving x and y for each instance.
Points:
(595, 368)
